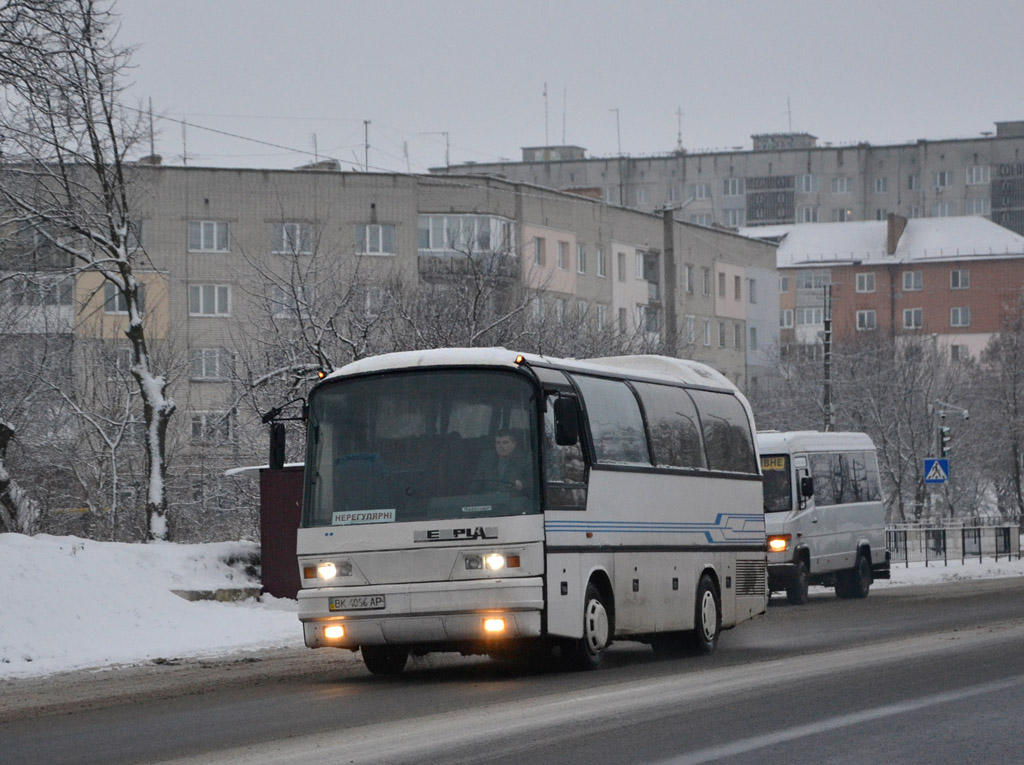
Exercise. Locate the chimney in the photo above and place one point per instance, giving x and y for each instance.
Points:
(894, 230)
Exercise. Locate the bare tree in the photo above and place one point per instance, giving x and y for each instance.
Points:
(65, 137)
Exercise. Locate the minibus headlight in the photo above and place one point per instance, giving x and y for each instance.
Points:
(778, 543)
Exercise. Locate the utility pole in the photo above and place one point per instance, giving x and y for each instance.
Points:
(827, 342)
(447, 164)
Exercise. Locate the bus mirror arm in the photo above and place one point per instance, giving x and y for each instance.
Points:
(567, 421)
(277, 444)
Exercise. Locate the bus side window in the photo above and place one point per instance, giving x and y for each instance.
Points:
(565, 472)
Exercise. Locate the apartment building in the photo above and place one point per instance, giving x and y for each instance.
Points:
(791, 178)
(952, 279)
(227, 254)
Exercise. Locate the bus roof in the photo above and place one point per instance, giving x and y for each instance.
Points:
(771, 442)
(654, 368)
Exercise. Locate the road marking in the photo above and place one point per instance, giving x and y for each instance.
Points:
(747, 745)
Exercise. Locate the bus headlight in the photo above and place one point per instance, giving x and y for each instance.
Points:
(328, 570)
(778, 542)
(494, 561)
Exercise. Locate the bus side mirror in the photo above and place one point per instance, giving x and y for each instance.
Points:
(277, 441)
(567, 421)
(807, 486)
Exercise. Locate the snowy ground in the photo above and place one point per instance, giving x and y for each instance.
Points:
(68, 603)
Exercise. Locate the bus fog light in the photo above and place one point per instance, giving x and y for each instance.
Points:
(778, 543)
(495, 561)
(474, 563)
(494, 625)
(334, 632)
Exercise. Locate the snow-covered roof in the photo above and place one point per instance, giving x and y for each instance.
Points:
(865, 241)
(769, 441)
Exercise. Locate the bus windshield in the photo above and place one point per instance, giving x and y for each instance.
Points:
(778, 487)
(421, 445)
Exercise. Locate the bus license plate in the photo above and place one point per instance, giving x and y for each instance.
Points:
(356, 603)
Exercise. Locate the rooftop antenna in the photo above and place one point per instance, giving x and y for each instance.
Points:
(152, 147)
(316, 153)
(789, 113)
(565, 96)
(184, 143)
(405, 151)
(679, 127)
(366, 146)
(545, 114)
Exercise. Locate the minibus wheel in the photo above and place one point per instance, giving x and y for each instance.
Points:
(385, 659)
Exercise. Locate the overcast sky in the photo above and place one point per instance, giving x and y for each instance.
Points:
(281, 72)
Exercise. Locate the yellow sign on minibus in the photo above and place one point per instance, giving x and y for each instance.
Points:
(773, 463)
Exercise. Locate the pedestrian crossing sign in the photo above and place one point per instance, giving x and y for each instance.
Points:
(936, 470)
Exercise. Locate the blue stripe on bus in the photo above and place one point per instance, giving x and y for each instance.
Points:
(726, 528)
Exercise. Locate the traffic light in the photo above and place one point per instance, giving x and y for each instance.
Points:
(945, 439)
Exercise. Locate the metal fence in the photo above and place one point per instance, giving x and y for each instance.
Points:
(940, 545)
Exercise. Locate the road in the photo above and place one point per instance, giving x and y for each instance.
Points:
(915, 674)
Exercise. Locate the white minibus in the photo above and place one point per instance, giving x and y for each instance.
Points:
(824, 514)
(489, 502)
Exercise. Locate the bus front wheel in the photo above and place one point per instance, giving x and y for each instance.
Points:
(384, 659)
(588, 651)
(707, 618)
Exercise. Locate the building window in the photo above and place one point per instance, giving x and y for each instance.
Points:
(813, 280)
(866, 282)
(737, 335)
(602, 315)
(622, 320)
(733, 187)
(977, 174)
(913, 318)
(673, 193)
(641, 196)
(943, 209)
(865, 320)
(114, 300)
(537, 307)
(559, 310)
(639, 264)
(979, 206)
(912, 280)
(913, 211)
(810, 316)
(602, 265)
(610, 195)
(700, 191)
(209, 300)
(581, 258)
(464, 233)
(753, 338)
(701, 219)
(621, 259)
(942, 178)
(721, 334)
(783, 284)
(839, 185)
(807, 214)
(215, 364)
(806, 184)
(688, 278)
(563, 255)
(707, 333)
(375, 239)
(207, 236)
(960, 316)
(581, 310)
(786, 318)
(737, 288)
(706, 282)
(959, 353)
(752, 290)
(841, 214)
(538, 251)
(881, 213)
(135, 238)
(212, 428)
(959, 279)
(691, 329)
(881, 185)
(291, 302)
(913, 182)
(735, 218)
(291, 239)
(721, 284)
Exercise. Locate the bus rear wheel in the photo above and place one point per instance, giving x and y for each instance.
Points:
(384, 659)
(588, 651)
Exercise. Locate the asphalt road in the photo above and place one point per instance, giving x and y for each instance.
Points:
(926, 674)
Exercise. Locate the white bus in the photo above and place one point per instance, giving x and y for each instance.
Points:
(823, 511)
(488, 502)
